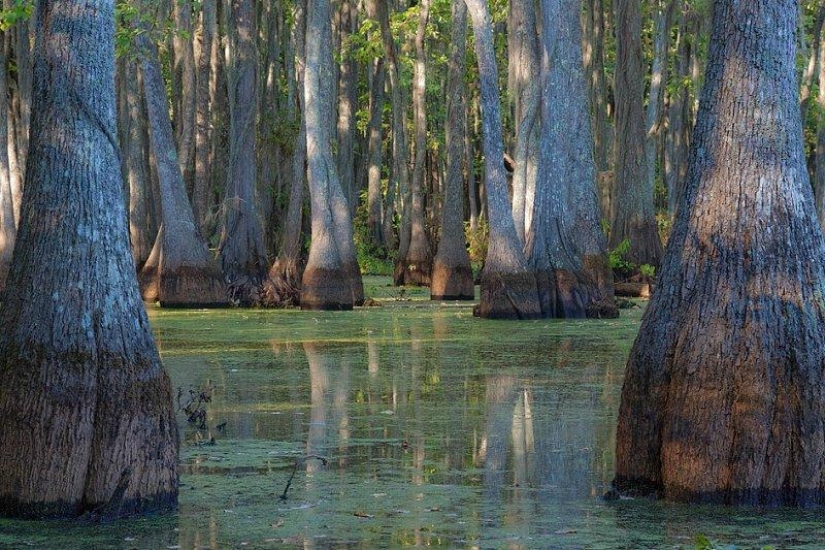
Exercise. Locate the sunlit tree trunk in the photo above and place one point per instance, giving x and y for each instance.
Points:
(331, 279)
(723, 394)
(452, 275)
(203, 132)
(508, 287)
(566, 245)
(182, 272)
(7, 224)
(89, 423)
(415, 268)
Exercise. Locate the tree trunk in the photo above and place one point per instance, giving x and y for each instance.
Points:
(184, 67)
(242, 252)
(284, 284)
(142, 230)
(634, 217)
(524, 89)
(185, 274)
(452, 275)
(331, 279)
(508, 287)
(375, 151)
(415, 268)
(7, 224)
(203, 134)
(348, 105)
(566, 244)
(679, 126)
(722, 399)
(90, 425)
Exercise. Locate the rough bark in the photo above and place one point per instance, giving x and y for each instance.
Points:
(89, 423)
(634, 217)
(242, 251)
(283, 287)
(203, 133)
(331, 279)
(184, 68)
(185, 273)
(508, 287)
(523, 86)
(415, 268)
(723, 396)
(566, 245)
(452, 277)
(142, 230)
(7, 224)
(375, 152)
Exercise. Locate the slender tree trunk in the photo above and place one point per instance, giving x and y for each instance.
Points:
(634, 216)
(89, 419)
(242, 251)
(814, 64)
(524, 90)
(508, 287)
(348, 105)
(415, 268)
(142, 229)
(184, 67)
(7, 224)
(331, 279)
(452, 274)
(679, 123)
(566, 244)
(722, 399)
(284, 285)
(663, 17)
(182, 272)
(375, 151)
(400, 153)
(203, 133)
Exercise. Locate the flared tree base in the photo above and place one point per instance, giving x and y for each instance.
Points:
(452, 282)
(192, 287)
(584, 293)
(327, 289)
(508, 296)
(282, 288)
(412, 273)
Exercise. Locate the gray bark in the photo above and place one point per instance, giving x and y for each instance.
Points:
(242, 252)
(203, 133)
(566, 245)
(89, 419)
(375, 152)
(331, 279)
(634, 216)
(347, 106)
(184, 68)
(508, 288)
(7, 224)
(452, 277)
(185, 274)
(415, 268)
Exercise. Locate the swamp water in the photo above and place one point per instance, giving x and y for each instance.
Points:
(407, 424)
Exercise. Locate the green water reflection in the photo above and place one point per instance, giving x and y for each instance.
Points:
(437, 429)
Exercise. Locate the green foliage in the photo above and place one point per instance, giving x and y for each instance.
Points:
(20, 10)
(477, 240)
(616, 257)
(647, 270)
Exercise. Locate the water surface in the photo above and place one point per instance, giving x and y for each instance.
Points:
(407, 424)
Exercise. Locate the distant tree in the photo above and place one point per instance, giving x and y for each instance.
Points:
(634, 216)
(180, 271)
(331, 279)
(88, 423)
(508, 287)
(242, 252)
(723, 397)
(7, 222)
(566, 245)
(452, 277)
(415, 266)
